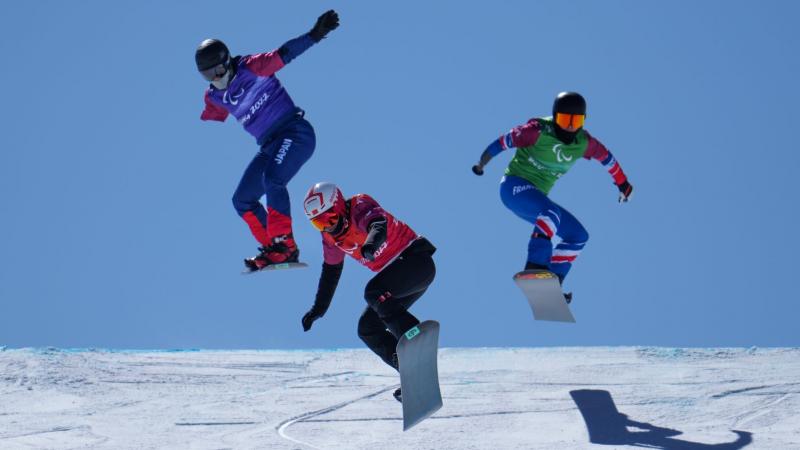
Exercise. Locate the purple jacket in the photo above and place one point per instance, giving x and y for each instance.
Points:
(255, 96)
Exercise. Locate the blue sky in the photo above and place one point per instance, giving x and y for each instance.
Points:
(117, 229)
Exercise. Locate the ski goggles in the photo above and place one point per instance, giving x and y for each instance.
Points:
(570, 120)
(326, 220)
(215, 72)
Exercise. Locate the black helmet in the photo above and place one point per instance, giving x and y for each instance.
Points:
(569, 103)
(572, 104)
(210, 53)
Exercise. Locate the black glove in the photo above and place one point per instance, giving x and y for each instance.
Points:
(368, 251)
(325, 24)
(486, 156)
(625, 191)
(309, 318)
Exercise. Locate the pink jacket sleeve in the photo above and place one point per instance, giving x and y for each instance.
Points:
(330, 254)
(366, 210)
(264, 64)
(596, 150)
(522, 136)
(213, 111)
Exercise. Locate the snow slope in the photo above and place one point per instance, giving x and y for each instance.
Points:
(523, 398)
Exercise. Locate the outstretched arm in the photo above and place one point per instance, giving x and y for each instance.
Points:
(521, 136)
(266, 64)
(491, 151)
(596, 150)
(328, 281)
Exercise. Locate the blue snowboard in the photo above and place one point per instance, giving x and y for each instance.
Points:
(419, 375)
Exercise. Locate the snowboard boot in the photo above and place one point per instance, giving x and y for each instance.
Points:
(283, 249)
(567, 295)
(532, 265)
(396, 364)
(398, 395)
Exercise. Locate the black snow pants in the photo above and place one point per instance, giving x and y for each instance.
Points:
(390, 293)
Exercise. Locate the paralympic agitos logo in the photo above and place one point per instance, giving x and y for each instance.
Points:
(232, 99)
(560, 156)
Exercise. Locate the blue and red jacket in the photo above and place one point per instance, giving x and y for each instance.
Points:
(255, 96)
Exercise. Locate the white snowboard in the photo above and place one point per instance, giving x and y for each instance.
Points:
(419, 376)
(544, 294)
(281, 266)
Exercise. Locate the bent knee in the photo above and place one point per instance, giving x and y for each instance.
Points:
(242, 205)
(583, 236)
(368, 328)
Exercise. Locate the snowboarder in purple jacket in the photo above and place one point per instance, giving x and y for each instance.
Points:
(247, 88)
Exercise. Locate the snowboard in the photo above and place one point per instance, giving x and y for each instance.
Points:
(543, 291)
(419, 375)
(281, 266)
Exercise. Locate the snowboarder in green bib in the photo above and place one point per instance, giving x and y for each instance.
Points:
(547, 147)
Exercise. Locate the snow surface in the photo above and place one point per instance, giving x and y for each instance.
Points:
(554, 398)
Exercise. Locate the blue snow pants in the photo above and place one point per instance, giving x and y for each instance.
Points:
(548, 219)
(277, 162)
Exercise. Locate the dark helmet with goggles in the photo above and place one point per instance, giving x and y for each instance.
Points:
(213, 59)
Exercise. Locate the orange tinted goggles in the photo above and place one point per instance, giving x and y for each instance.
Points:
(570, 120)
(326, 220)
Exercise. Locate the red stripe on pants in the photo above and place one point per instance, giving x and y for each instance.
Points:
(543, 225)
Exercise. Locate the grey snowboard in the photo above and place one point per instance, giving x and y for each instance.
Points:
(544, 294)
(419, 375)
(281, 266)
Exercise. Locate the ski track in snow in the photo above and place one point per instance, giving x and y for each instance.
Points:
(308, 415)
(493, 398)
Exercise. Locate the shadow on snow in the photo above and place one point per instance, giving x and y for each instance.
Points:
(608, 426)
